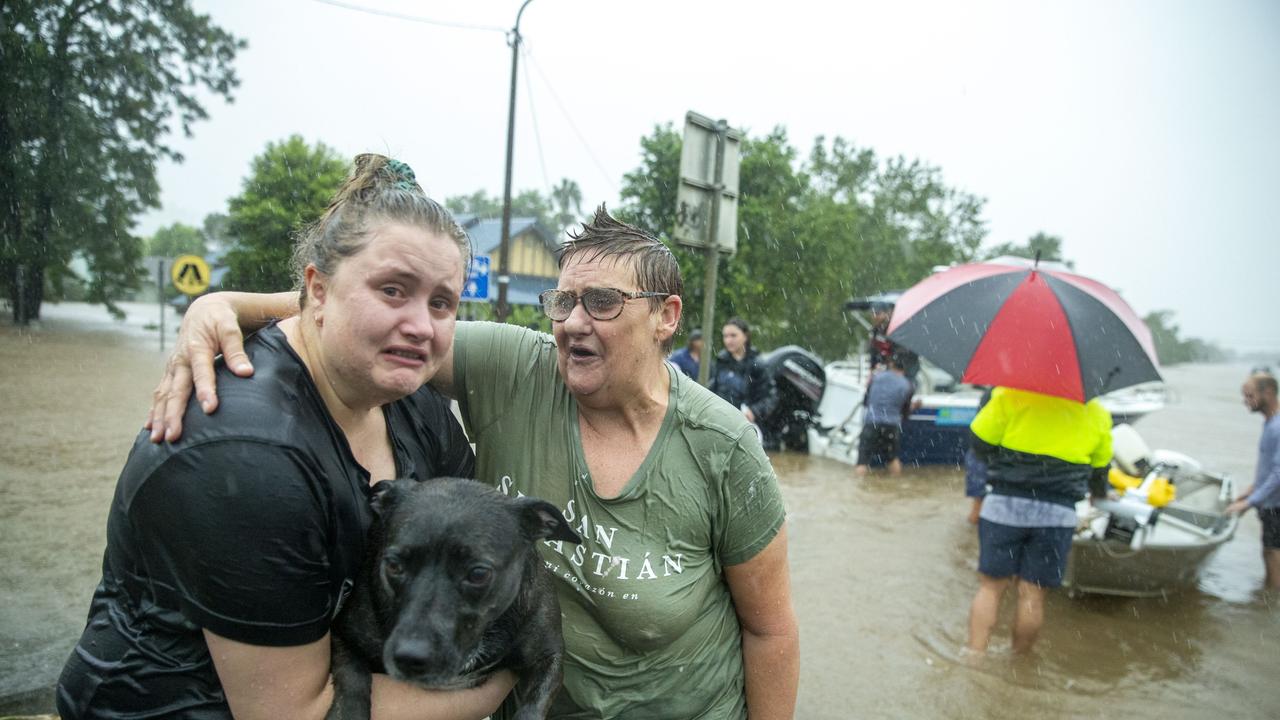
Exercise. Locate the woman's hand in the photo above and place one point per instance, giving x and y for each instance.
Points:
(209, 327)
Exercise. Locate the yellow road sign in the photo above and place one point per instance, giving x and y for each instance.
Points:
(190, 274)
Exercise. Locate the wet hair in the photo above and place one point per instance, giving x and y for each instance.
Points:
(741, 325)
(902, 359)
(653, 265)
(1264, 383)
(379, 190)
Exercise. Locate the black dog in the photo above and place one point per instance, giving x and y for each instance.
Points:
(451, 590)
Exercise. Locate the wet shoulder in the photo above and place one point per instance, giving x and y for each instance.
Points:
(697, 408)
(277, 406)
(478, 340)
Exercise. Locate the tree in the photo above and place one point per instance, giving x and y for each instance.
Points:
(289, 185)
(1049, 247)
(529, 203)
(811, 233)
(567, 197)
(1172, 349)
(215, 232)
(174, 240)
(87, 97)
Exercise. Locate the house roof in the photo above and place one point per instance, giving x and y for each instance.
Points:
(486, 233)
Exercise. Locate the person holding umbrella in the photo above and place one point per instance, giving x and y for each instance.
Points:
(1042, 454)
(1052, 342)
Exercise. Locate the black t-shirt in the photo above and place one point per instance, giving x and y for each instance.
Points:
(252, 526)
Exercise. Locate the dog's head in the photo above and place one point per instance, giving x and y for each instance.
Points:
(452, 559)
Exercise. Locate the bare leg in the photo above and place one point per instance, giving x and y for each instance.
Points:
(985, 609)
(975, 510)
(1029, 616)
(895, 467)
(860, 470)
(1271, 559)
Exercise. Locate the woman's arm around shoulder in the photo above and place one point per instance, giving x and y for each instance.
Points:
(213, 324)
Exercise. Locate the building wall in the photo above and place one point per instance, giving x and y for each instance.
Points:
(530, 257)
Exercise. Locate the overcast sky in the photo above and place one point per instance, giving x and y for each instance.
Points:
(1145, 134)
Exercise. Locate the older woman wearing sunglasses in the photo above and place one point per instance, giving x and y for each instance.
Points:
(678, 603)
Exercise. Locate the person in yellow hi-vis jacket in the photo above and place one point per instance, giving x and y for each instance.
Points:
(1043, 454)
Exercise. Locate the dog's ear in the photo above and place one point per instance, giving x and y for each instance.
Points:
(540, 520)
(386, 495)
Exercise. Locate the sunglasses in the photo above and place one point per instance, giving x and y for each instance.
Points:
(600, 303)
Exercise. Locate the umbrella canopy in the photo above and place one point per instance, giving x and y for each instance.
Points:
(1012, 324)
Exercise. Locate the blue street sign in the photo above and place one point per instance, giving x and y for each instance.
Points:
(477, 287)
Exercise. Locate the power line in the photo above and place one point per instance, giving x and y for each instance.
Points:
(411, 18)
(533, 116)
(581, 138)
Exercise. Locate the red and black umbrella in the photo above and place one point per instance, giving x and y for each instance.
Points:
(1027, 327)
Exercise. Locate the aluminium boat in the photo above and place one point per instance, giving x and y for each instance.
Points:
(1153, 538)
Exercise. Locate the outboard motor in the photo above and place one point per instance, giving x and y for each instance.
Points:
(1129, 451)
(1130, 516)
(800, 381)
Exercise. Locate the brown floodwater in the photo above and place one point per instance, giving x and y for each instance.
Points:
(882, 568)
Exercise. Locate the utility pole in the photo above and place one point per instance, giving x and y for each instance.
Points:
(504, 249)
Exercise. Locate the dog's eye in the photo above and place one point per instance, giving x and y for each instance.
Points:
(479, 576)
(393, 567)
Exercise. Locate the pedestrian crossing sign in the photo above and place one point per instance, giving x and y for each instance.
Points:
(190, 274)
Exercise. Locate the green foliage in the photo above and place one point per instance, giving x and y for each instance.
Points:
(1048, 246)
(290, 184)
(1172, 349)
(810, 234)
(215, 231)
(174, 240)
(529, 203)
(525, 315)
(88, 95)
(567, 196)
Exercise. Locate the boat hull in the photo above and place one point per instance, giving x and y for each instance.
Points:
(1167, 551)
(1109, 568)
(937, 431)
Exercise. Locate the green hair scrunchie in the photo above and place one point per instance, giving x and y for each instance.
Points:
(405, 179)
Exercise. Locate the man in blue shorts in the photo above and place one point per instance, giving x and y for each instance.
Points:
(1264, 494)
(1042, 453)
(888, 399)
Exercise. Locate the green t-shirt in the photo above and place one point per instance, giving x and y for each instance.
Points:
(649, 627)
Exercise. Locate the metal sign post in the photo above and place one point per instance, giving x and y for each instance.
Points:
(713, 260)
(20, 314)
(707, 206)
(160, 297)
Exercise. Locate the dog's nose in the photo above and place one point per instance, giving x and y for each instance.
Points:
(412, 656)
